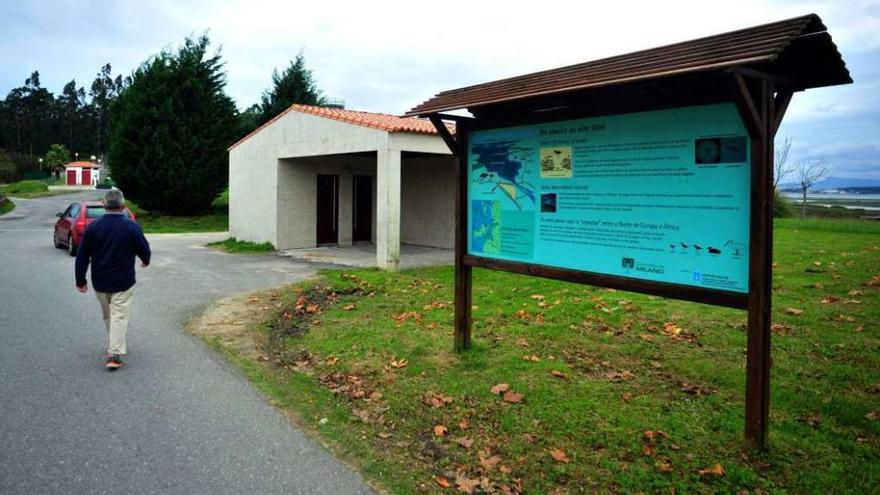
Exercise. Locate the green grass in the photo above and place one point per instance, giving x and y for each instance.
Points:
(216, 219)
(6, 206)
(626, 372)
(29, 189)
(233, 245)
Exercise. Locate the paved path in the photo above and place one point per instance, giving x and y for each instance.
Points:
(176, 419)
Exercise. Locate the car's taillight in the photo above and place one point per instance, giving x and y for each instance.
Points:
(81, 224)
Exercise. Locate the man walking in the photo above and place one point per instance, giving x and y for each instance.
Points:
(110, 245)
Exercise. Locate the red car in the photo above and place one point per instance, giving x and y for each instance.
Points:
(72, 223)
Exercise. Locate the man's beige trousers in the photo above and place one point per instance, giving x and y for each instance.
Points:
(115, 307)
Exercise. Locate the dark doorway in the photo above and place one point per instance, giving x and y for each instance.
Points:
(328, 209)
(362, 209)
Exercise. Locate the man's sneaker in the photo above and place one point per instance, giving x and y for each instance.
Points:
(114, 362)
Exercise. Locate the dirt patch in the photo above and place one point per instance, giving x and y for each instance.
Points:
(232, 320)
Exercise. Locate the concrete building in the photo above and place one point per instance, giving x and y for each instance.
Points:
(82, 173)
(323, 176)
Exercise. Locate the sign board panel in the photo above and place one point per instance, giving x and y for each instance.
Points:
(660, 195)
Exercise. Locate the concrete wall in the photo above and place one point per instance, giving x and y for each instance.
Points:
(254, 167)
(273, 183)
(297, 189)
(427, 214)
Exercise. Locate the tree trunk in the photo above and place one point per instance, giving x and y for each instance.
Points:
(804, 202)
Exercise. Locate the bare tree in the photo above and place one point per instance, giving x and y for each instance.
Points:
(810, 171)
(781, 166)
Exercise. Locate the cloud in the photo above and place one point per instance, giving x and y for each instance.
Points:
(388, 56)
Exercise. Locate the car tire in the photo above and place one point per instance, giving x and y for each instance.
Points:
(71, 247)
(57, 244)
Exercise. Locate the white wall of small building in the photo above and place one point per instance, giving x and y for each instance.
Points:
(273, 184)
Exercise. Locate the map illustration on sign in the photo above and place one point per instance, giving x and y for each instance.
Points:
(500, 165)
(661, 195)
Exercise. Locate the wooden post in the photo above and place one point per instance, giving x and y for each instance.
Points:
(757, 407)
(463, 272)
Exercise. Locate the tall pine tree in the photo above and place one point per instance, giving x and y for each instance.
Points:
(293, 85)
(170, 129)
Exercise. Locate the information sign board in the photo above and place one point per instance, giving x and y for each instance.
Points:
(661, 195)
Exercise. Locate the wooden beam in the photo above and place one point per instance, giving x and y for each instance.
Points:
(780, 103)
(746, 105)
(757, 406)
(673, 291)
(444, 133)
(463, 271)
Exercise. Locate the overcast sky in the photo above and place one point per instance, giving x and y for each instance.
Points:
(388, 56)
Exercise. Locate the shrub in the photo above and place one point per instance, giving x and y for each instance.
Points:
(781, 205)
(170, 129)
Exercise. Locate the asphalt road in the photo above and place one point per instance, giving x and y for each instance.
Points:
(176, 418)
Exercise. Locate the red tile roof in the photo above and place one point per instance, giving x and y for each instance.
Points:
(380, 121)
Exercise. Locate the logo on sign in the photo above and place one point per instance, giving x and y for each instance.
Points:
(627, 263)
(697, 276)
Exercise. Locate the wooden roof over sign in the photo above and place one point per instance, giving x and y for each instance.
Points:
(800, 50)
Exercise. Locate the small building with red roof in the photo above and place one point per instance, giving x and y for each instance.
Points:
(82, 173)
(316, 176)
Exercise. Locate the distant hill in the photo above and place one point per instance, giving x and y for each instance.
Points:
(839, 183)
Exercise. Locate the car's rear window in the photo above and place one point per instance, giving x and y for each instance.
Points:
(95, 211)
(98, 211)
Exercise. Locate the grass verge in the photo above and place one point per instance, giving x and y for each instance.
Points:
(233, 245)
(575, 389)
(216, 219)
(30, 189)
(6, 205)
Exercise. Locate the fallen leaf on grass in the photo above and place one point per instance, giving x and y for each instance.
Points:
(874, 389)
(465, 442)
(647, 450)
(384, 435)
(533, 358)
(558, 374)
(348, 307)
(780, 328)
(500, 388)
(399, 363)
(874, 282)
(617, 376)
(363, 415)
(312, 308)
(671, 329)
(872, 416)
(844, 318)
(716, 470)
(523, 315)
(559, 455)
(330, 361)
(664, 466)
(813, 420)
(465, 484)
(436, 400)
(855, 293)
(440, 430)
(464, 424)
(401, 318)
(512, 397)
(490, 462)
(852, 301)
(442, 482)
(793, 311)
(829, 299)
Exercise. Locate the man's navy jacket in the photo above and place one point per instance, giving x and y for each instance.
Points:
(110, 243)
